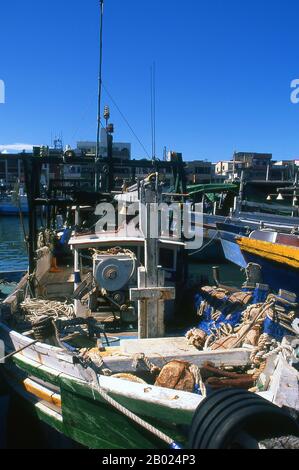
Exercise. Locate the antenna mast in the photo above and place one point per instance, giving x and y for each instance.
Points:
(153, 109)
(99, 97)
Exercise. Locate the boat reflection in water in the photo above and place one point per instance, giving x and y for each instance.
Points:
(9, 207)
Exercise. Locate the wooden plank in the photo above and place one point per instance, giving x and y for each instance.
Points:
(42, 392)
(169, 346)
(34, 369)
(50, 417)
(152, 294)
(43, 373)
(176, 406)
(65, 276)
(182, 404)
(122, 362)
(12, 299)
(285, 386)
(142, 319)
(172, 345)
(161, 306)
(43, 354)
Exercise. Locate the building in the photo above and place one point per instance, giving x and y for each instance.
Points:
(11, 171)
(255, 165)
(284, 170)
(224, 168)
(121, 150)
(199, 172)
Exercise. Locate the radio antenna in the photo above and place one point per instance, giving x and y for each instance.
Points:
(99, 97)
(153, 109)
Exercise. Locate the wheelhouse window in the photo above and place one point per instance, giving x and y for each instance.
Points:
(167, 258)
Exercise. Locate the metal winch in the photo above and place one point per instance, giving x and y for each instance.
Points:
(114, 276)
(114, 273)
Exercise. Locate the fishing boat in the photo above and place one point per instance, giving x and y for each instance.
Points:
(278, 256)
(276, 253)
(238, 208)
(72, 389)
(91, 333)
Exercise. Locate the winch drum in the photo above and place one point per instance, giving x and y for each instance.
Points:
(113, 274)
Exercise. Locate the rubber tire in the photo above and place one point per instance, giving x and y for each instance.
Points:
(225, 413)
(207, 406)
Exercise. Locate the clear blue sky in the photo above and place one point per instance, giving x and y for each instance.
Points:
(224, 69)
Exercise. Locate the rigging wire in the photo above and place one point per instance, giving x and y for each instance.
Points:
(125, 119)
(84, 115)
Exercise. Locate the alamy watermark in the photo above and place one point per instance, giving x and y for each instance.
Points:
(295, 92)
(2, 92)
(2, 352)
(173, 222)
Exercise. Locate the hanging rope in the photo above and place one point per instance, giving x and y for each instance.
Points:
(132, 416)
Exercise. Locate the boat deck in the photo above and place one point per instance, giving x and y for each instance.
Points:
(59, 284)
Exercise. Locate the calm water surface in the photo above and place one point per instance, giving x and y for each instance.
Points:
(13, 253)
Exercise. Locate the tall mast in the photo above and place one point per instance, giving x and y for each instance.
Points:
(153, 109)
(99, 97)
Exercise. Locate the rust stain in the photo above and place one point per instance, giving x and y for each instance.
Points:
(40, 357)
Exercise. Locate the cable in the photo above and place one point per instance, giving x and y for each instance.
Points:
(209, 242)
(125, 119)
(133, 417)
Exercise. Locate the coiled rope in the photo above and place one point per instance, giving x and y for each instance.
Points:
(36, 308)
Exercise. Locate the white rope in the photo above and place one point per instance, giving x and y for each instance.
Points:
(36, 308)
(133, 417)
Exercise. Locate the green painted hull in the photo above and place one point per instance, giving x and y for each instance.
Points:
(85, 418)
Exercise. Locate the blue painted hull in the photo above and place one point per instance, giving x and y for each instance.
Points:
(10, 209)
(276, 275)
(232, 250)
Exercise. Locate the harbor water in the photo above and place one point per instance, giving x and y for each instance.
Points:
(13, 253)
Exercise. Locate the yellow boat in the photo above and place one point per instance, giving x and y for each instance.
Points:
(279, 258)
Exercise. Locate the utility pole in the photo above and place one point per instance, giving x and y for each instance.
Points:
(99, 98)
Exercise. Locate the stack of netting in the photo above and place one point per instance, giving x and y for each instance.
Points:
(231, 320)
